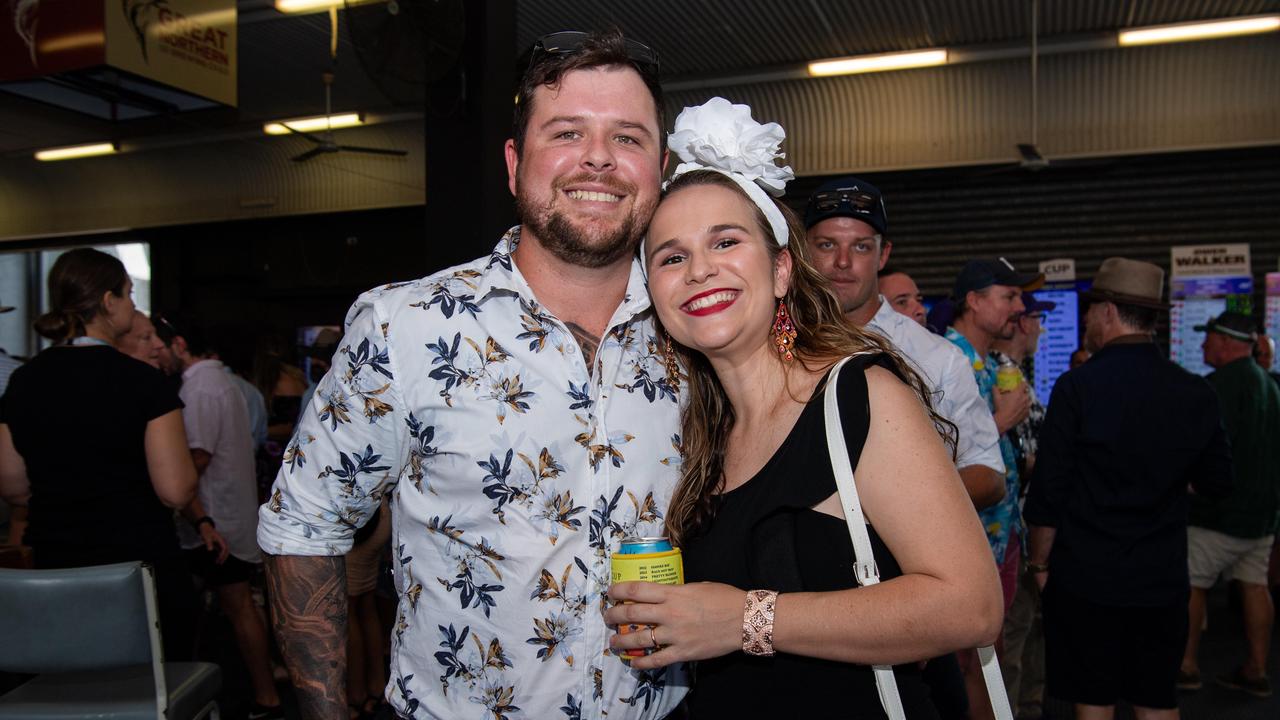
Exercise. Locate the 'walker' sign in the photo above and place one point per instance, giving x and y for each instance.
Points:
(1201, 260)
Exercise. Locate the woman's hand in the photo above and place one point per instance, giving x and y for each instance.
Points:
(690, 622)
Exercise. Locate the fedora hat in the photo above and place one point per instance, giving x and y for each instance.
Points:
(1128, 282)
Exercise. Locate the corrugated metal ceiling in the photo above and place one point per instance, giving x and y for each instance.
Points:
(717, 36)
(1197, 95)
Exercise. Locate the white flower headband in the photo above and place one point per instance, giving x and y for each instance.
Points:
(723, 137)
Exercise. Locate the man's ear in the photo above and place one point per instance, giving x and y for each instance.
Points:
(666, 156)
(886, 247)
(179, 345)
(513, 163)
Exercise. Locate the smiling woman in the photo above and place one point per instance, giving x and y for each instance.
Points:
(772, 600)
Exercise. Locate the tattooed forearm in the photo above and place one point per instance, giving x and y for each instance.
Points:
(309, 615)
(588, 342)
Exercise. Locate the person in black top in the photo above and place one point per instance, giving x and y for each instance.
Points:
(92, 441)
(772, 611)
(1125, 435)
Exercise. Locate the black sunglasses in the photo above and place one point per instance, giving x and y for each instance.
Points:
(856, 200)
(568, 42)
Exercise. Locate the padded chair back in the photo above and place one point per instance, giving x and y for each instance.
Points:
(77, 618)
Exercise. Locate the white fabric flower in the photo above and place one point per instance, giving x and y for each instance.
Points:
(723, 136)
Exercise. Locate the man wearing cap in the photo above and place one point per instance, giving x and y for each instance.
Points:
(1023, 660)
(900, 291)
(1234, 536)
(1125, 435)
(988, 297)
(988, 303)
(516, 409)
(846, 224)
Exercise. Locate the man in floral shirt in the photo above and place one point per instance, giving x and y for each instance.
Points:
(518, 410)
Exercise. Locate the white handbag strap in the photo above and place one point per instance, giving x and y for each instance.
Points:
(864, 564)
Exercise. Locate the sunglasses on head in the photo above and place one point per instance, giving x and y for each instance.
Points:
(853, 199)
(568, 42)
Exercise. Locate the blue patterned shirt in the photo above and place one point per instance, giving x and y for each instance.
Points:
(514, 472)
(1003, 518)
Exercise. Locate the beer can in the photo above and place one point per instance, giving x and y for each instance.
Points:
(651, 559)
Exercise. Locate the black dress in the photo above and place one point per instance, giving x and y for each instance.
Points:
(765, 535)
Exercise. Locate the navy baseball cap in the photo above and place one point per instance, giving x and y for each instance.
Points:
(1036, 305)
(847, 197)
(982, 274)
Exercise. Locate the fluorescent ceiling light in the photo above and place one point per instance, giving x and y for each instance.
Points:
(309, 6)
(76, 151)
(1183, 32)
(878, 63)
(314, 124)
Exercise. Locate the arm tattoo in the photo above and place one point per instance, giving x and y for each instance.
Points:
(588, 342)
(309, 616)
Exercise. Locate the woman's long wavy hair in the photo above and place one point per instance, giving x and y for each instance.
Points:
(823, 337)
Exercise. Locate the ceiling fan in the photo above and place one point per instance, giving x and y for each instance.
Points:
(324, 142)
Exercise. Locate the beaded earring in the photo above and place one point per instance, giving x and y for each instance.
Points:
(672, 365)
(784, 332)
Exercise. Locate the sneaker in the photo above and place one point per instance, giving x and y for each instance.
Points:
(1189, 681)
(1237, 680)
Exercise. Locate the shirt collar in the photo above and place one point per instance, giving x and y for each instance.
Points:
(1132, 339)
(886, 317)
(501, 275)
(198, 364)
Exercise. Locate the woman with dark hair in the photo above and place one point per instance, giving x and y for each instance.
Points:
(772, 610)
(92, 441)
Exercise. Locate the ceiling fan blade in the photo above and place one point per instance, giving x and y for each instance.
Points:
(376, 151)
(306, 135)
(308, 154)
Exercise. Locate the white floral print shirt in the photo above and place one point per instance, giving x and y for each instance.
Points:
(514, 472)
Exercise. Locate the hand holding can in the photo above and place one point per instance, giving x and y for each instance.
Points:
(646, 560)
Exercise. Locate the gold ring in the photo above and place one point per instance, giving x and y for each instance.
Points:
(653, 638)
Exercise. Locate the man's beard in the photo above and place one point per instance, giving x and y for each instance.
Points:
(574, 244)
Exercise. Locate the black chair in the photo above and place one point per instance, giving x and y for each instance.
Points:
(93, 636)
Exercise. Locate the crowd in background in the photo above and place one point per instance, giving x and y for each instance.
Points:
(1107, 513)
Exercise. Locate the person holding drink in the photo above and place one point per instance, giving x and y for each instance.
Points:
(771, 600)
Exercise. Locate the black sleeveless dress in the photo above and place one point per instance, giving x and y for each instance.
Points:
(765, 536)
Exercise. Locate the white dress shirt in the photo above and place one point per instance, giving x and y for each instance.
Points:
(949, 377)
(514, 472)
(217, 422)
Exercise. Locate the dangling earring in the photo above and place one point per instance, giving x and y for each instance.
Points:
(672, 365)
(784, 332)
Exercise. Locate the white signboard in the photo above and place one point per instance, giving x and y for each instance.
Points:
(1059, 270)
(1207, 260)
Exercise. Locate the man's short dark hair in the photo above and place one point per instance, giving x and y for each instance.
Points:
(597, 49)
(962, 303)
(888, 270)
(187, 327)
(1142, 319)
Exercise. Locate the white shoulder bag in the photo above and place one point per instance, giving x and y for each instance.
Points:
(864, 565)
